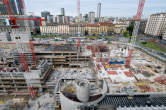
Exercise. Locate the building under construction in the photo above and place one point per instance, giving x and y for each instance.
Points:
(91, 74)
(119, 69)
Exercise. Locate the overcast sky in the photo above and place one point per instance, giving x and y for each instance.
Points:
(115, 8)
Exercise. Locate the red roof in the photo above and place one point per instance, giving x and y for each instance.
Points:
(128, 74)
(112, 72)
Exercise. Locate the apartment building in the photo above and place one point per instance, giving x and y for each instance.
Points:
(74, 29)
(156, 24)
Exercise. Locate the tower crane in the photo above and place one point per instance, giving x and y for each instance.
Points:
(20, 50)
(78, 11)
(137, 20)
(24, 63)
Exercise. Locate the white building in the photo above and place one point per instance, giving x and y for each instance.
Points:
(120, 28)
(57, 29)
(156, 24)
(92, 17)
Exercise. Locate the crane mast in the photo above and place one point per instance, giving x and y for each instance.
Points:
(78, 11)
(137, 20)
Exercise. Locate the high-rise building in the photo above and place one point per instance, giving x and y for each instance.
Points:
(16, 7)
(85, 18)
(62, 11)
(60, 19)
(50, 18)
(92, 17)
(98, 11)
(156, 24)
(67, 20)
(45, 14)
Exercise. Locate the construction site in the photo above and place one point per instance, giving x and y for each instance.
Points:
(89, 74)
(31, 70)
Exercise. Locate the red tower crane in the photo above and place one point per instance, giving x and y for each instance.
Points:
(140, 10)
(128, 60)
(78, 11)
(137, 19)
(22, 55)
(33, 52)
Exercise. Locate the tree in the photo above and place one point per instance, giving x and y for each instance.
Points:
(130, 28)
(126, 34)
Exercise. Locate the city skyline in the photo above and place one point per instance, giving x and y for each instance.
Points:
(120, 8)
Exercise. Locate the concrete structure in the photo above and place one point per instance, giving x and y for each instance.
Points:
(18, 82)
(5, 36)
(62, 55)
(10, 34)
(84, 80)
(25, 36)
(92, 17)
(156, 24)
(68, 96)
(83, 92)
(15, 6)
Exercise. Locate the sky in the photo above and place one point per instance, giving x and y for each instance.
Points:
(114, 8)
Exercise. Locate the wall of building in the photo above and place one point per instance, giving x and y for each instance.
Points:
(164, 36)
(75, 29)
(120, 28)
(156, 24)
(57, 29)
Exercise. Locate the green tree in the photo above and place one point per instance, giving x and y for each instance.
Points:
(130, 28)
(126, 34)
